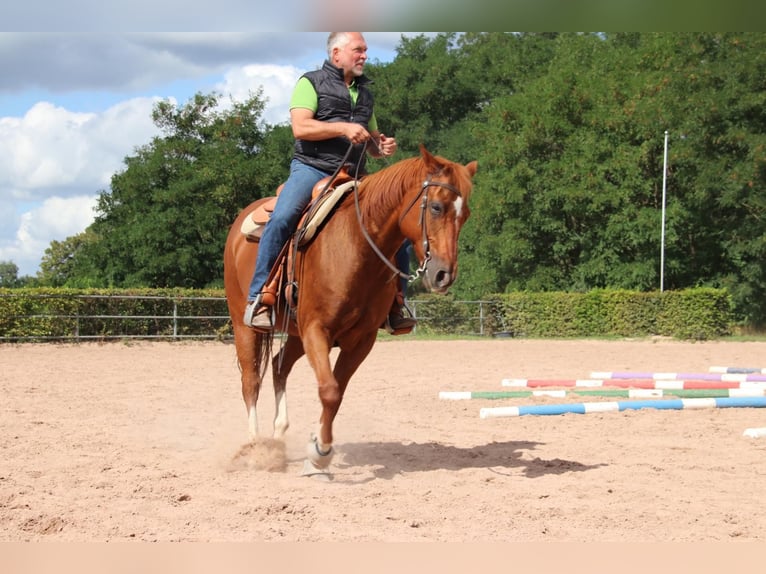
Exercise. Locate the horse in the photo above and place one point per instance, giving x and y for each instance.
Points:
(346, 280)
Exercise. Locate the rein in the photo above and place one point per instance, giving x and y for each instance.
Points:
(423, 204)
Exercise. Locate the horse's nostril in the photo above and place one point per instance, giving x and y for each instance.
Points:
(442, 278)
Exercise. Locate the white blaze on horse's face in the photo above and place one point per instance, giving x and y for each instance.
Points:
(458, 206)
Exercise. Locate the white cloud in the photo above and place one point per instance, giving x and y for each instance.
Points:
(59, 217)
(25, 162)
(277, 83)
(66, 62)
(55, 218)
(51, 148)
(54, 162)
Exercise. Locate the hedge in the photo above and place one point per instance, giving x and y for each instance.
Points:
(46, 313)
(50, 313)
(698, 314)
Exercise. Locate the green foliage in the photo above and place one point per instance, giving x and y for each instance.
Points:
(568, 130)
(45, 313)
(164, 221)
(569, 189)
(62, 263)
(439, 314)
(100, 314)
(9, 274)
(695, 313)
(690, 314)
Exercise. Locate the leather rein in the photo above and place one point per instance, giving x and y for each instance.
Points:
(423, 196)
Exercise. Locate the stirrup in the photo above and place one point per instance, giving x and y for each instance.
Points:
(402, 326)
(258, 316)
(397, 323)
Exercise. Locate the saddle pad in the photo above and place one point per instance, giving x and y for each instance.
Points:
(321, 210)
(252, 225)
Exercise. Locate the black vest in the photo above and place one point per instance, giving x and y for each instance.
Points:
(334, 105)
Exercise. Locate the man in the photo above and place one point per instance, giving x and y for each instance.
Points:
(330, 109)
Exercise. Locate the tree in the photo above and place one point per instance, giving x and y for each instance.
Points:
(568, 131)
(424, 91)
(9, 274)
(62, 263)
(710, 90)
(164, 221)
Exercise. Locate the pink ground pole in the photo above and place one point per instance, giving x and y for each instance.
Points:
(633, 383)
(739, 377)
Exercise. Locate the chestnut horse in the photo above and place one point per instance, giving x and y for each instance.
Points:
(346, 281)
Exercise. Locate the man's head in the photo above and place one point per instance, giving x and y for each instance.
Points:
(347, 51)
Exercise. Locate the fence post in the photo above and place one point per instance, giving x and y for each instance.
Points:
(175, 319)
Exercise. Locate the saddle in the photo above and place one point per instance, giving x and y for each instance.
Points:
(326, 194)
(324, 197)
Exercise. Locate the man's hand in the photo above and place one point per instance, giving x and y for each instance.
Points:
(386, 145)
(355, 133)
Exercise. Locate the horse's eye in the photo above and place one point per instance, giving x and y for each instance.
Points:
(436, 208)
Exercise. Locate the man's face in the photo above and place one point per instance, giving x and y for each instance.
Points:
(351, 57)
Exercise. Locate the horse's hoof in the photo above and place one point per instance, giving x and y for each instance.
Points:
(313, 472)
(319, 458)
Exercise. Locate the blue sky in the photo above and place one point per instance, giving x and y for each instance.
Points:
(74, 105)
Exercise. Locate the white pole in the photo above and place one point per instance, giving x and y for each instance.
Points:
(662, 233)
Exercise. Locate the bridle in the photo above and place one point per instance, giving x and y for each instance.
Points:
(423, 196)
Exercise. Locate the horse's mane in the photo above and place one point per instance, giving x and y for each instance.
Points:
(383, 191)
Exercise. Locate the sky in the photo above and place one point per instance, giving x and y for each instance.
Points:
(74, 105)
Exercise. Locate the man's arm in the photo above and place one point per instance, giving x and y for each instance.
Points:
(306, 127)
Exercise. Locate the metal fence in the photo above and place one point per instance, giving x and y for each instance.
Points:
(473, 316)
(177, 320)
(105, 317)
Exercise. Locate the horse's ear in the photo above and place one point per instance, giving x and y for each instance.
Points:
(429, 159)
(472, 167)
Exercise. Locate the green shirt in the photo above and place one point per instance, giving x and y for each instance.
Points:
(305, 96)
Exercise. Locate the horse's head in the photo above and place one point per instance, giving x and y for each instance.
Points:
(443, 209)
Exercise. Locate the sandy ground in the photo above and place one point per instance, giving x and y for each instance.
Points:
(148, 441)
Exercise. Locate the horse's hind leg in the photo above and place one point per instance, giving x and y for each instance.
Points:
(281, 365)
(244, 340)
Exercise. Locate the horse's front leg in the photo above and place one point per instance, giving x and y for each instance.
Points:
(331, 385)
(319, 450)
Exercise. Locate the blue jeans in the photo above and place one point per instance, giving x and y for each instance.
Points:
(293, 199)
(403, 263)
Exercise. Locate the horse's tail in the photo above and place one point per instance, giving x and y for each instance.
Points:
(263, 345)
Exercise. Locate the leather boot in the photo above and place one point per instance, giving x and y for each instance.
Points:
(258, 316)
(397, 323)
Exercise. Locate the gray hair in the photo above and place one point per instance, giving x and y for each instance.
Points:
(336, 40)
